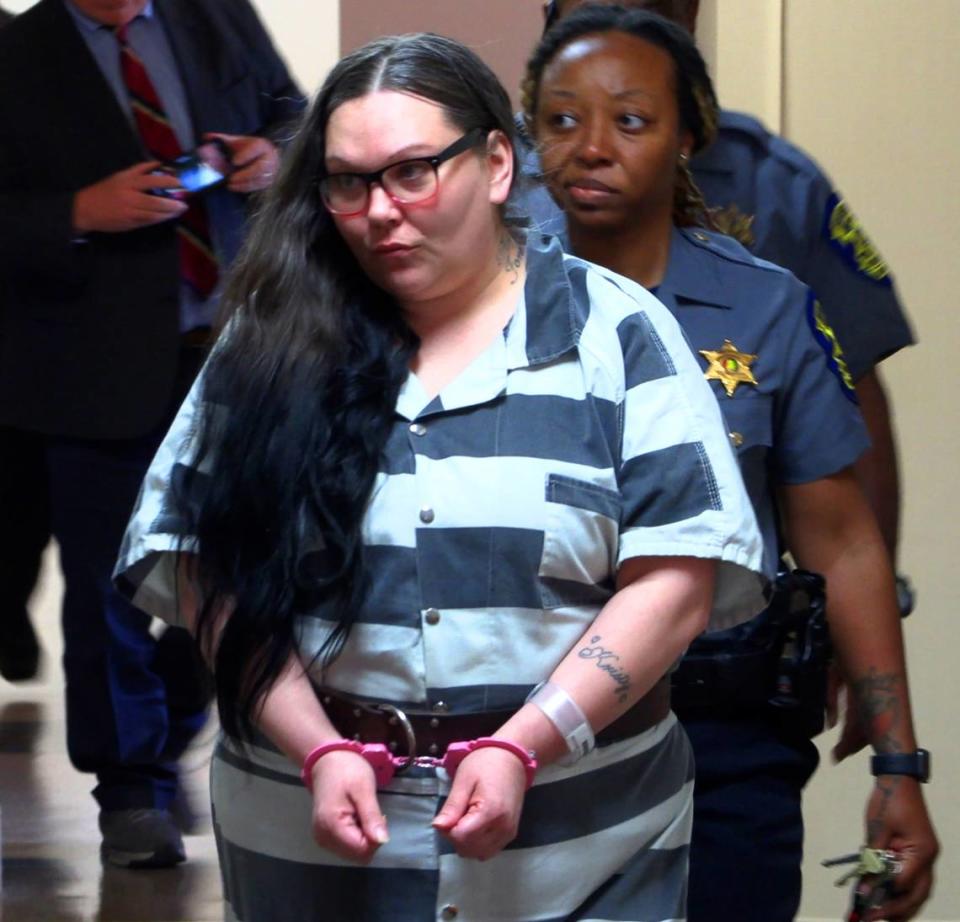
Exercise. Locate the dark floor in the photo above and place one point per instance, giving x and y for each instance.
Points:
(48, 820)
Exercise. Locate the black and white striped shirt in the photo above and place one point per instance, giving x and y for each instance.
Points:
(584, 436)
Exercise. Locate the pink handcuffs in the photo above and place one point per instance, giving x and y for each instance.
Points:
(385, 765)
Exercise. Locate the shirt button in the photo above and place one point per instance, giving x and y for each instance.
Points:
(426, 515)
(432, 616)
(703, 238)
(449, 912)
(418, 429)
(736, 439)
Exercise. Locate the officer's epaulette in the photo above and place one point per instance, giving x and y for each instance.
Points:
(743, 123)
(726, 247)
(747, 126)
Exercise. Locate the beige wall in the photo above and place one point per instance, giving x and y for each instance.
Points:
(503, 32)
(307, 32)
(742, 41)
(868, 87)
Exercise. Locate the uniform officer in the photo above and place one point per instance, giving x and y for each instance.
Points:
(618, 101)
(776, 199)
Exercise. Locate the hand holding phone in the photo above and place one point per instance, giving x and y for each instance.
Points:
(127, 200)
(207, 166)
(255, 160)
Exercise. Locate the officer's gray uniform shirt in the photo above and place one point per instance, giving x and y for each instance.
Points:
(584, 436)
(792, 413)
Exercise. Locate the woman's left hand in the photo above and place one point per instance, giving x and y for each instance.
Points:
(482, 811)
(897, 820)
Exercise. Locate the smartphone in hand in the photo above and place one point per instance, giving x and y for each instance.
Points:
(206, 166)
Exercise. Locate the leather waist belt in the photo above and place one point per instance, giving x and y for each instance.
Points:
(430, 734)
(729, 682)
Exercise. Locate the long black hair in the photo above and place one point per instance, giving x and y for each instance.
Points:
(298, 396)
(696, 100)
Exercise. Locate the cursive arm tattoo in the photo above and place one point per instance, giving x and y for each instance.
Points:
(606, 661)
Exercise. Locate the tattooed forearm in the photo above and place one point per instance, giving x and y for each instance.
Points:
(606, 661)
(877, 812)
(878, 700)
(510, 256)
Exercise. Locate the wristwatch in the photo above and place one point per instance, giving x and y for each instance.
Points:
(915, 764)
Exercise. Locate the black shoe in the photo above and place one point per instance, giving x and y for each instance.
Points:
(19, 649)
(140, 838)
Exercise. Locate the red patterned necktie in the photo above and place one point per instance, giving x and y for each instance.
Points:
(198, 263)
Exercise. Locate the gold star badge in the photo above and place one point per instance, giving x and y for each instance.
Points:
(729, 366)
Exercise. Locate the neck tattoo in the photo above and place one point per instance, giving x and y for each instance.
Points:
(510, 256)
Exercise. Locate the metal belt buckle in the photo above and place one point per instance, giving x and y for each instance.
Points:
(397, 716)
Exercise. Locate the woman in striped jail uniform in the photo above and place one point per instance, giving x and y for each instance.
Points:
(618, 101)
(443, 509)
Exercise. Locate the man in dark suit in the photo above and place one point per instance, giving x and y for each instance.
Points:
(105, 309)
(24, 511)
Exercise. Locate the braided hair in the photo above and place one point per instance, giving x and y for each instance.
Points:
(696, 101)
(679, 11)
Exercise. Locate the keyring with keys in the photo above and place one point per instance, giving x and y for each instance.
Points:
(878, 867)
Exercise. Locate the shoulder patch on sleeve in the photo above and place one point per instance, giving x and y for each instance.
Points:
(847, 236)
(824, 335)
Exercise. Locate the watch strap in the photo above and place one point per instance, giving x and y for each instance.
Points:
(913, 764)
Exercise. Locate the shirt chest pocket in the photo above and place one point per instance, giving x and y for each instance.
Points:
(749, 424)
(580, 540)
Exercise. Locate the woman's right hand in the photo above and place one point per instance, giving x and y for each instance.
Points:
(346, 814)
